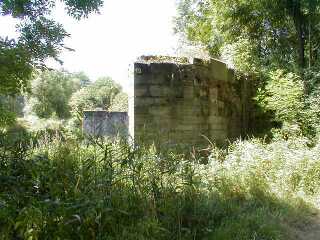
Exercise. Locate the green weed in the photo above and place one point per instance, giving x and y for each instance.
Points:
(60, 188)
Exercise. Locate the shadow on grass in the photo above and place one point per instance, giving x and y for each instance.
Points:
(68, 191)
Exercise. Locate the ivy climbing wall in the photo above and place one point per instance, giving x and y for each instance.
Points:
(177, 101)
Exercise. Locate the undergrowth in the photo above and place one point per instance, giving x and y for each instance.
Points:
(58, 188)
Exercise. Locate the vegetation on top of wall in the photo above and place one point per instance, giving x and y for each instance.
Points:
(163, 59)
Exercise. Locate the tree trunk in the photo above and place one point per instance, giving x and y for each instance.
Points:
(294, 7)
(310, 44)
(299, 25)
(312, 5)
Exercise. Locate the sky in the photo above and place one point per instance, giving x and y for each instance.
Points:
(107, 44)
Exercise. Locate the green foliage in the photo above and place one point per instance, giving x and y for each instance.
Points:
(51, 92)
(275, 41)
(10, 108)
(286, 167)
(42, 45)
(15, 67)
(270, 33)
(40, 38)
(104, 93)
(56, 186)
(283, 95)
(83, 78)
(120, 103)
(7, 117)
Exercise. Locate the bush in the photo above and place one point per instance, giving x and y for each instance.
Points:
(56, 186)
(51, 92)
(283, 95)
(294, 102)
(104, 93)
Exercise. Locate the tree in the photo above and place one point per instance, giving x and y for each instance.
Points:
(120, 103)
(82, 78)
(7, 117)
(104, 93)
(10, 108)
(15, 67)
(267, 33)
(276, 40)
(40, 38)
(51, 93)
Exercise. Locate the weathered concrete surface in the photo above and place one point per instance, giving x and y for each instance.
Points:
(102, 123)
(182, 102)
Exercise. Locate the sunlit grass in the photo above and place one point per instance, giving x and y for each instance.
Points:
(59, 188)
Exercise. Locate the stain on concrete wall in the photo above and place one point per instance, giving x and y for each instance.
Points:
(180, 102)
(102, 123)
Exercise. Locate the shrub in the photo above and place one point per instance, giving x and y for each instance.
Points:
(283, 95)
(294, 101)
(51, 92)
(57, 186)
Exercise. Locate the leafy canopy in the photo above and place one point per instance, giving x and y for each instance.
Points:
(104, 93)
(40, 37)
(276, 40)
(260, 33)
(51, 93)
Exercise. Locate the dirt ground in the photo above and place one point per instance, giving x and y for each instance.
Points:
(308, 231)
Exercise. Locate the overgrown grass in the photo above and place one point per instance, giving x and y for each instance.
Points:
(57, 188)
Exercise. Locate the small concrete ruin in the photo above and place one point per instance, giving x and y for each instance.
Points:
(100, 123)
(178, 102)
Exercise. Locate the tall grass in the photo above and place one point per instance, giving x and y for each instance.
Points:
(59, 188)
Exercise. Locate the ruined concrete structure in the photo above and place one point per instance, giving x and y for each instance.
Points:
(102, 123)
(176, 101)
(180, 102)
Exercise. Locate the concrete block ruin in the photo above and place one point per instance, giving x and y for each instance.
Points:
(180, 102)
(100, 123)
(176, 101)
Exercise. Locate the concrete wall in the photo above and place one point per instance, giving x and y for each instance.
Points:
(103, 123)
(180, 102)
